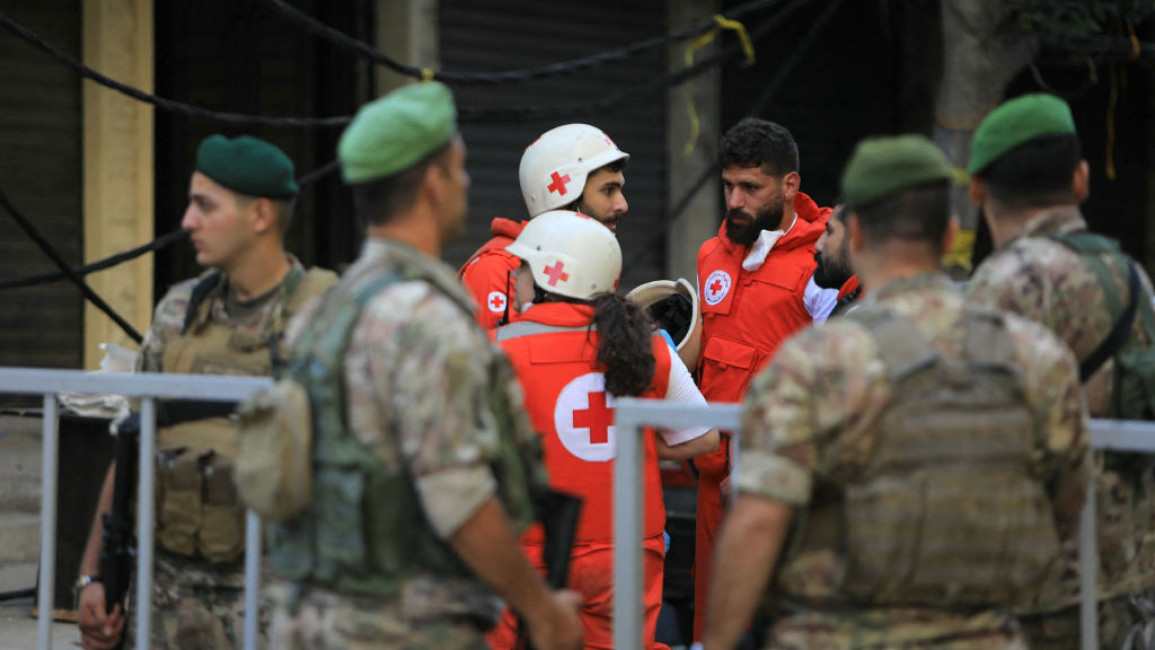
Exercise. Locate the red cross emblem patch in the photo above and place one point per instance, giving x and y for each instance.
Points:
(558, 184)
(716, 287)
(584, 418)
(495, 302)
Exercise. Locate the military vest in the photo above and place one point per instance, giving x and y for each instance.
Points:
(365, 531)
(949, 509)
(198, 514)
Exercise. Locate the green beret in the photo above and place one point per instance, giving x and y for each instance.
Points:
(392, 133)
(247, 165)
(1017, 122)
(880, 167)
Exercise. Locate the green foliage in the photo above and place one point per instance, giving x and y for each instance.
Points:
(1077, 18)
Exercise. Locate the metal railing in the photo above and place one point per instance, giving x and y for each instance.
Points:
(633, 414)
(148, 387)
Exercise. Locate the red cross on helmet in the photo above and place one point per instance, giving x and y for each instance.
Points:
(555, 167)
(569, 254)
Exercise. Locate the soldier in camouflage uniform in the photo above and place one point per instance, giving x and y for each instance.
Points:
(906, 468)
(230, 321)
(423, 456)
(1029, 178)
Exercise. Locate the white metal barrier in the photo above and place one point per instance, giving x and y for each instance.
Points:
(633, 414)
(148, 387)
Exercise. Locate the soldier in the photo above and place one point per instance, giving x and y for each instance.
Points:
(754, 289)
(423, 456)
(570, 167)
(1029, 177)
(229, 321)
(923, 455)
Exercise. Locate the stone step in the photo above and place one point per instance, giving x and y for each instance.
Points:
(19, 538)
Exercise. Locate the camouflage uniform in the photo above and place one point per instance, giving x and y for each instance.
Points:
(416, 371)
(817, 411)
(1046, 281)
(195, 603)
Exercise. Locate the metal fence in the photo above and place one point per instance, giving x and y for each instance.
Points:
(633, 414)
(148, 387)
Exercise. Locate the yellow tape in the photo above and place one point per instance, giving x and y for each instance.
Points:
(961, 251)
(697, 44)
(427, 74)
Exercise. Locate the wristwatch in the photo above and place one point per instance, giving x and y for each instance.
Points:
(83, 581)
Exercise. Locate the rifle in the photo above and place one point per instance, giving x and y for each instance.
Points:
(118, 554)
(559, 513)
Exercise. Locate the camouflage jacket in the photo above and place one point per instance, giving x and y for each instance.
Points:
(814, 415)
(1043, 280)
(416, 372)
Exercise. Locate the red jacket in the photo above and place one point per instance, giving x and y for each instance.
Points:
(486, 274)
(746, 315)
(568, 404)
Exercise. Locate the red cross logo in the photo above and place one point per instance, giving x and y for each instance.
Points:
(558, 184)
(597, 418)
(717, 286)
(556, 273)
(496, 301)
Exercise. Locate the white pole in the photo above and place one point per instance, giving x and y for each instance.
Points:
(145, 528)
(48, 470)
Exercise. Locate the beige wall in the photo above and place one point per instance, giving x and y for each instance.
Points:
(118, 166)
(407, 31)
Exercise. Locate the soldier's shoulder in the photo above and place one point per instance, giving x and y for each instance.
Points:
(421, 304)
(842, 344)
(1035, 341)
(172, 307)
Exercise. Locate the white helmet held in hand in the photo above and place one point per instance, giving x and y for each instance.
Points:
(570, 254)
(555, 167)
(673, 304)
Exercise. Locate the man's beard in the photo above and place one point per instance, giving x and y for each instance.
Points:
(832, 272)
(608, 221)
(769, 218)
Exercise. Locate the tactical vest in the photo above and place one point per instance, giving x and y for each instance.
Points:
(1133, 392)
(949, 509)
(365, 531)
(198, 514)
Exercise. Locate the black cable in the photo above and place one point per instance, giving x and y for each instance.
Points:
(60, 262)
(365, 50)
(155, 245)
(106, 263)
(30, 592)
(466, 115)
(756, 108)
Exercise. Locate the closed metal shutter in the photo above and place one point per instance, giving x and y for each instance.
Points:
(516, 34)
(40, 171)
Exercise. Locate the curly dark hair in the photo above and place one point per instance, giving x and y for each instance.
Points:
(624, 350)
(759, 143)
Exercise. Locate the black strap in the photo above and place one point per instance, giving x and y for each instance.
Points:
(1120, 332)
(199, 293)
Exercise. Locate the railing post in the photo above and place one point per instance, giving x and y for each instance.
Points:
(252, 578)
(145, 531)
(628, 519)
(48, 469)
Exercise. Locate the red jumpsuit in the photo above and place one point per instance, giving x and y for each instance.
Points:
(745, 317)
(570, 408)
(486, 274)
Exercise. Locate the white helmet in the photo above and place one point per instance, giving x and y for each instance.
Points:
(570, 254)
(554, 167)
(650, 294)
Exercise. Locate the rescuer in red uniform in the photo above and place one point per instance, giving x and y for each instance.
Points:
(572, 167)
(575, 348)
(753, 281)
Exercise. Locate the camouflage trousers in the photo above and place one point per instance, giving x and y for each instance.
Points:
(1126, 621)
(320, 619)
(195, 607)
(907, 628)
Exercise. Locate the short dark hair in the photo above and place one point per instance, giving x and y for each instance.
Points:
(378, 201)
(1035, 174)
(920, 213)
(760, 143)
(282, 208)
